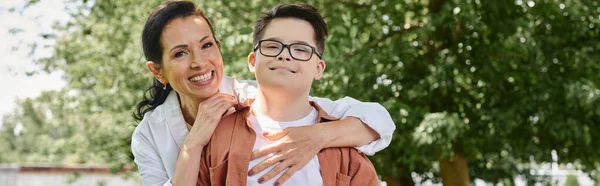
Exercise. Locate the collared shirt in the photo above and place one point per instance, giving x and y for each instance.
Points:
(226, 158)
(158, 138)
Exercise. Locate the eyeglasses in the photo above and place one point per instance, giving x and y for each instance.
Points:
(298, 51)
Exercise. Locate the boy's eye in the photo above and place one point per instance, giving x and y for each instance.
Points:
(301, 50)
(179, 54)
(273, 46)
(207, 45)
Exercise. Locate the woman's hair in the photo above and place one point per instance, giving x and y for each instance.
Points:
(153, 49)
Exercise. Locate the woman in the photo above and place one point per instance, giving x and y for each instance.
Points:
(190, 95)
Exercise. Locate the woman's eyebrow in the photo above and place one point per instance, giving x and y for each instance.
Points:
(204, 38)
(178, 46)
(184, 45)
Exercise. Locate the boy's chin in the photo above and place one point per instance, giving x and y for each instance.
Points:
(278, 84)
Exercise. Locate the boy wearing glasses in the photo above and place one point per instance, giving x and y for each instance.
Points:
(288, 45)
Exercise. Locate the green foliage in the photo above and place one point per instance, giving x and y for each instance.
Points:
(440, 130)
(505, 82)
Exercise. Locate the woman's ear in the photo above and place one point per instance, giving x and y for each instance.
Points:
(252, 62)
(156, 70)
(320, 69)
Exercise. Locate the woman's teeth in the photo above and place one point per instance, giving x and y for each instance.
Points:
(204, 77)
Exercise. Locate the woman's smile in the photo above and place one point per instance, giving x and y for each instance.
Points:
(202, 78)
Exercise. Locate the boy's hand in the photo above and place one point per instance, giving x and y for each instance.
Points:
(295, 147)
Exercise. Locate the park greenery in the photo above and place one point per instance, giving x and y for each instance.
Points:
(478, 89)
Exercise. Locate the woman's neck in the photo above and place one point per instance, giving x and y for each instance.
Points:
(282, 106)
(189, 108)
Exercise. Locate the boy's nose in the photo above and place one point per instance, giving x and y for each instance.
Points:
(286, 58)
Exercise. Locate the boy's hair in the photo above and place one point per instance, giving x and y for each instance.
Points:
(300, 11)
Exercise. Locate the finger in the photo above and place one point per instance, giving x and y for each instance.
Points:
(288, 173)
(214, 112)
(230, 111)
(275, 135)
(263, 151)
(274, 172)
(270, 161)
(222, 101)
(215, 99)
(223, 107)
(227, 103)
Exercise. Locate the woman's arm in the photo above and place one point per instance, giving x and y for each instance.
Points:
(354, 133)
(150, 165)
(210, 112)
(373, 116)
(188, 165)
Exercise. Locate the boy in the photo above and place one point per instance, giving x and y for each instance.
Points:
(288, 45)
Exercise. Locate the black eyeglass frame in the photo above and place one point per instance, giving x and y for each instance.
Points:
(314, 50)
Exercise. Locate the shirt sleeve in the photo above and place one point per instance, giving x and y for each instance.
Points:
(148, 161)
(372, 114)
(240, 89)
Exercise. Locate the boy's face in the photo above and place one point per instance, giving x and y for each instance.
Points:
(287, 71)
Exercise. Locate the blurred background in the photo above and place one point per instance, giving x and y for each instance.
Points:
(483, 92)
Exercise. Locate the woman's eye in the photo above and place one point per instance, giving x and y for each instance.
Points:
(179, 54)
(207, 45)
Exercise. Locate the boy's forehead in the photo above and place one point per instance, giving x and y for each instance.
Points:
(290, 30)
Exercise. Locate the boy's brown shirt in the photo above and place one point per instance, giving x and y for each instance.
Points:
(226, 157)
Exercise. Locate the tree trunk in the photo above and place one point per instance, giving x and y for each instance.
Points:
(404, 180)
(454, 171)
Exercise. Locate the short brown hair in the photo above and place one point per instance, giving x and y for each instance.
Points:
(300, 11)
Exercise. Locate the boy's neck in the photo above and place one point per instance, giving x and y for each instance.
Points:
(282, 106)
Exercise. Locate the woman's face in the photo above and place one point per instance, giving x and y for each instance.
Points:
(192, 61)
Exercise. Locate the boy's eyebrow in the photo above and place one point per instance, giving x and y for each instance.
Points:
(184, 45)
(293, 42)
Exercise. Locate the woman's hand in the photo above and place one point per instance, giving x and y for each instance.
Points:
(208, 116)
(210, 112)
(295, 147)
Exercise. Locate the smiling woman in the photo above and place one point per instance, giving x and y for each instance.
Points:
(193, 65)
(190, 95)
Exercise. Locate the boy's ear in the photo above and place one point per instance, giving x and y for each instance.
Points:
(320, 69)
(252, 62)
(156, 71)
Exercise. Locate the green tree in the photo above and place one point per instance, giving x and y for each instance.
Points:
(478, 89)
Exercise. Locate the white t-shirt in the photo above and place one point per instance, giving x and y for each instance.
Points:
(308, 175)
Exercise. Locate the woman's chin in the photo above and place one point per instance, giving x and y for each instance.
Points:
(204, 93)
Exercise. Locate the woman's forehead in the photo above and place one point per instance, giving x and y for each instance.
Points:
(185, 29)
